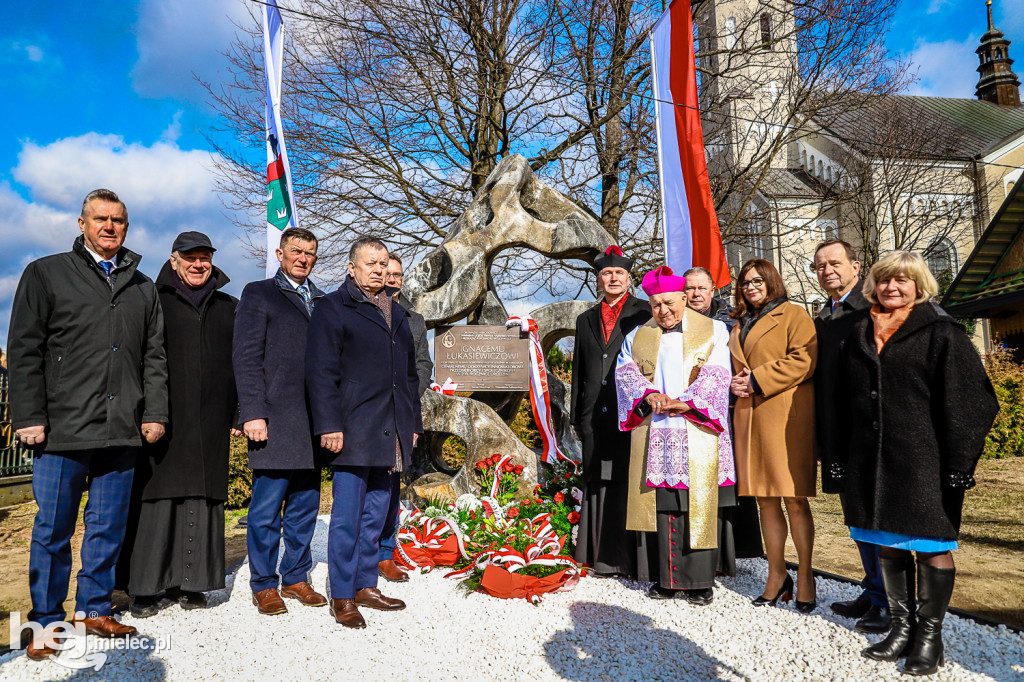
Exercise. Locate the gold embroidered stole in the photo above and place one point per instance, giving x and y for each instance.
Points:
(641, 511)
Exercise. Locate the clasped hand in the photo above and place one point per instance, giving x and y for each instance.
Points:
(662, 404)
(740, 385)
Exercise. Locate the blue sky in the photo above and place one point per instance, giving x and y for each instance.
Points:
(102, 94)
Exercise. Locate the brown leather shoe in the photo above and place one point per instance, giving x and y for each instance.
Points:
(371, 597)
(347, 613)
(304, 593)
(106, 626)
(390, 571)
(269, 602)
(38, 653)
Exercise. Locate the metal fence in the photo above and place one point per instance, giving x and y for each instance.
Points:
(15, 460)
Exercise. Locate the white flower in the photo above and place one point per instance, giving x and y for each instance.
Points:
(468, 502)
(575, 533)
(433, 512)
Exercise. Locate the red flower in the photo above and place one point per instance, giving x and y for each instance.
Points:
(559, 498)
(481, 465)
(574, 517)
(494, 459)
(536, 488)
(518, 470)
(538, 500)
(514, 512)
(508, 467)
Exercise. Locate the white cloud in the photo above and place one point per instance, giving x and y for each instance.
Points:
(944, 69)
(178, 39)
(35, 53)
(167, 190)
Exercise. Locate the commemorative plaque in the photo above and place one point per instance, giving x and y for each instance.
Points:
(482, 358)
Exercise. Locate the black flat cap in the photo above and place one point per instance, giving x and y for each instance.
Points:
(186, 241)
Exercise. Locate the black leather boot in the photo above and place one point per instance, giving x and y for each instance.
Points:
(934, 590)
(898, 575)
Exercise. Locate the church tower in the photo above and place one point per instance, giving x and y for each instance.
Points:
(998, 83)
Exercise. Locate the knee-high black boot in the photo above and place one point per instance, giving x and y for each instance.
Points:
(898, 575)
(934, 590)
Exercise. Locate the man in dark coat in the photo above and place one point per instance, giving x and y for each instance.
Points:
(364, 393)
(700, 296)
(269, 361)
(175, 542)
(88, 375)
(394, 278)
(838, 272)
(603, 541)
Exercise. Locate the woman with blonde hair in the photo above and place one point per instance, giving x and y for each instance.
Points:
(774, 351)
(917, 406)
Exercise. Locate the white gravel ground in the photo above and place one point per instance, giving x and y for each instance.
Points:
(602, 630)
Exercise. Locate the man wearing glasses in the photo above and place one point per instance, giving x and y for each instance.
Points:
(394, 277)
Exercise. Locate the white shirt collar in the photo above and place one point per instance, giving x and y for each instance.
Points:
(100, 259)
(295, 285)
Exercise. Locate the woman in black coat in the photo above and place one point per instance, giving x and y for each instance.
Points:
(916, 404)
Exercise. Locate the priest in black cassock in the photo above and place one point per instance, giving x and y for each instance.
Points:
(603, 541)
(174, 547)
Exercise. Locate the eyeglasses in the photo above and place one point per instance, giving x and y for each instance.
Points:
(753, 282)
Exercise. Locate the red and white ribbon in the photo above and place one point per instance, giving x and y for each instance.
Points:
(540, 399)
(449, 387)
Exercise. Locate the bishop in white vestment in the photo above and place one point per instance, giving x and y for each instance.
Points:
(672, 379)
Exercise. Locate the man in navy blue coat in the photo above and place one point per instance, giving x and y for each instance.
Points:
(269, 359)
(364, 398)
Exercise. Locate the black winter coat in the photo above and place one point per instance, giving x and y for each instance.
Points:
(191, 460)
(269, 356)
(424, 365)
(915, 420)
(832, 327)
(594, 404)
(86, 356)
(361, 378)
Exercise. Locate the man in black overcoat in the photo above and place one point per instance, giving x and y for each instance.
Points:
(393, 279)
(603, 541)
(364, 393)
(838, 272)
(700, 296)
(269, 360)
(175, 542)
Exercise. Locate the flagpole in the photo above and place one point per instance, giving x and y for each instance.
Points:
(281, 211)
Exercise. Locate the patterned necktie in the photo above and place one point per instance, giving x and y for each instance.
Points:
(306, 298)
(107, 267)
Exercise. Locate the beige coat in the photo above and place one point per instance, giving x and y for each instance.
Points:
(774, 436)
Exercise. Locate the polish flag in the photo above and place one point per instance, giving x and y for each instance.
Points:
(692, 235)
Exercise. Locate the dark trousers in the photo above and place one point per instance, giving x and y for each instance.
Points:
(387, 536)
(362, 498)
(872, 583)
(299, 491)
(58, 481)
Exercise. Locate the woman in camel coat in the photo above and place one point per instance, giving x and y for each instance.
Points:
(774, 350)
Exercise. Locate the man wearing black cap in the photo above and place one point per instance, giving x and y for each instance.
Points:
(603, 541)
(175, 543)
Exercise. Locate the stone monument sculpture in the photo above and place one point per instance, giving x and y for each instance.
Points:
(453, 282)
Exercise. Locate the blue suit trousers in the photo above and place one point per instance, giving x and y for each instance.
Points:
(299, 491)
(58, 481)
(873, 584)
(362, 497)
(387, 536)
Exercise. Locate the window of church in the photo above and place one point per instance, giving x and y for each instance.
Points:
(730, 33)
(820, 167)
(941, 259)
(766, 29)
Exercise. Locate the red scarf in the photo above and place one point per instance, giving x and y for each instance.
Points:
(609, 315)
